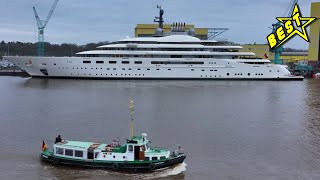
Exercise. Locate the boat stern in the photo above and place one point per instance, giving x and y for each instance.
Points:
(47, 155)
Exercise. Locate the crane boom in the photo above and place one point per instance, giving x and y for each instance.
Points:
(37, 17)
(51, 12)
(291, 6)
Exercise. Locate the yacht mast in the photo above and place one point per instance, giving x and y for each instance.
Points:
(160, 18)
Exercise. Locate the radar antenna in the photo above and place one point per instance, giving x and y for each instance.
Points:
(160, 18)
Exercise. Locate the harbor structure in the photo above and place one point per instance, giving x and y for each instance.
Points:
(262, 51)
(314, 45)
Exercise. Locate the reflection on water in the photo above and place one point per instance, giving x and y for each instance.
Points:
(310, 138)
(228, 129)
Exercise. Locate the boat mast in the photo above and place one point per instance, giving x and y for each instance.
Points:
(159, 19)
(131, 106)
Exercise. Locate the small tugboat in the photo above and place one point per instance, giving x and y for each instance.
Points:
(135, 155)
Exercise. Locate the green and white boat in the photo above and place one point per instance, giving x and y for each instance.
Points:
(134, 155)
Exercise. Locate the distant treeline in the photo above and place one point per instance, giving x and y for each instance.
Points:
(30, 49)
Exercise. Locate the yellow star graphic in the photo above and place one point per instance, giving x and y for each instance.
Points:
(296, 17)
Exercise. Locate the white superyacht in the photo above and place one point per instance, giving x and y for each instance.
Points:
(174, 55)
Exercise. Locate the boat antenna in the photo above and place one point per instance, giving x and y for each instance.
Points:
(159, 19)
(131, 106)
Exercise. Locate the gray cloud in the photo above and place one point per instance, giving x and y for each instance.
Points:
(82, 21)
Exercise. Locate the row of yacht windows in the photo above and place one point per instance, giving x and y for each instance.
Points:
(157, 56)
(228, 74)
(152, 62)
(129, 69)
(168, 62)
(158, 69)
(256, 62)
(203, 70)
(173, 49)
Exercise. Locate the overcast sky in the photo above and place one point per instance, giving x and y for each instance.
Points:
(83, 21)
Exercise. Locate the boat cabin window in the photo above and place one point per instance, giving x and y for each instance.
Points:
(59, 151)
(68, 152)
(78, 153)
(96, 154)
(162, 157)
(146, 158)
(154, 158)
(130, 148)
(90, 155)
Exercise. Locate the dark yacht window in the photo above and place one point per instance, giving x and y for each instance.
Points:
(99, 62)
(138, 62)
(87, 62)
(176, 56)
(177, 62)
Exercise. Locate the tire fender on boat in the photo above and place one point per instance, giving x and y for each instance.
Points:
(152, 166)
(56, 161)
(115, 166)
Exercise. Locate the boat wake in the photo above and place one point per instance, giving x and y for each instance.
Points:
(178, 169)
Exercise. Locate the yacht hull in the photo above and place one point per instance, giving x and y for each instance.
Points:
(211, 69)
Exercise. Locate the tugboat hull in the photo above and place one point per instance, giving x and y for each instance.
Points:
(135, 166)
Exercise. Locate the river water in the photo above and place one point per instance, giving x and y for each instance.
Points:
(228, 129)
